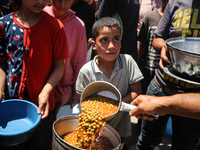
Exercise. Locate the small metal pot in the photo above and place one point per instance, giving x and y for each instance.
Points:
(185, 56)
(68, 124)
(108, 90)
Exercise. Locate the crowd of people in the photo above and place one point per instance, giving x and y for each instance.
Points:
(46, 46)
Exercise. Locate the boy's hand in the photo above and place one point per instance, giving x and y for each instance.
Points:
(74, 102)
(43, 101)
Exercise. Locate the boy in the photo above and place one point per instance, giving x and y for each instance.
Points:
(119, 69)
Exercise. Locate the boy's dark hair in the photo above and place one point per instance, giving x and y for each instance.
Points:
(15, 4)
(104, 22)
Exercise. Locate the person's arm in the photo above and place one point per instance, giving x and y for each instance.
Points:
(186, 105)
(3, 68)
(143, 39)
(106, 8)
(54, 78)
(141, 52)
(80, 53)
(135, 91)
(160, 46)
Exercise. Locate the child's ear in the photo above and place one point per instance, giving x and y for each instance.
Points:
(93, 44)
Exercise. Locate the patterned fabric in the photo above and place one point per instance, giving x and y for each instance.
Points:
(14, 52)
(30, 53)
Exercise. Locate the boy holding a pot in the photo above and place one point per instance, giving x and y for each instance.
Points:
(119, 69)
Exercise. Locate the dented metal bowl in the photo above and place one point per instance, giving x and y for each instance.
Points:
(185, 56)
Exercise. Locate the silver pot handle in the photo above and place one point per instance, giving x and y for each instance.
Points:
(128, 107)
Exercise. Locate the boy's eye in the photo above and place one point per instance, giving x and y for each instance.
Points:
(117, 39)
(104, 40)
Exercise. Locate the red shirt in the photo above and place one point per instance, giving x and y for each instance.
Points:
(43, 43)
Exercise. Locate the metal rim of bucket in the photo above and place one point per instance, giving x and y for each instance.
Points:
(64, 144)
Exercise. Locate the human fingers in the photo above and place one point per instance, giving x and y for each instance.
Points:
(164, 55)
(147, 117)
(161, 63)
(135, 112)
(135, 102)
(43, 110)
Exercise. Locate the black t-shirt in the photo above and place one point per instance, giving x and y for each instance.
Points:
(181, 18)
(87, 14)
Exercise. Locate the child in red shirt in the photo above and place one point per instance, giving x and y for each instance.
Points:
(32, 52)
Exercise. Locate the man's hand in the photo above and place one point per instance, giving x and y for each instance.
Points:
(164, 54)
(145, 107)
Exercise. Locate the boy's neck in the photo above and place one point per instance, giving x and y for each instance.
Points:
(106, 67)
(28, 20)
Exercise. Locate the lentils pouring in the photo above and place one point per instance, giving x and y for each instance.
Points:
(95, 109)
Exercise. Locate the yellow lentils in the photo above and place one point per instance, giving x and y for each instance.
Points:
(94, 110)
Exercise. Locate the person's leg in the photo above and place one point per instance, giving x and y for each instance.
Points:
(41, 140)
(197, 147)
(186, 133)
(152, 131)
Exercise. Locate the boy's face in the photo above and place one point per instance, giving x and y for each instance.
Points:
(60, 7)
(108, 43)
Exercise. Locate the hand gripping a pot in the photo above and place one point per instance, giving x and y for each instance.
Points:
(108, 90)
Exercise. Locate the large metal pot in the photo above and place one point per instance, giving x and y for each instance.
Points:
(185, 56)
(68, 124)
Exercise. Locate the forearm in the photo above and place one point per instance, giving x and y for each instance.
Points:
(158, 43)
(141, 52)
(43, 98)
(131, 96)
(3, 68)
(55, 76)
(186, 105)
(2, 79)
(135, 91)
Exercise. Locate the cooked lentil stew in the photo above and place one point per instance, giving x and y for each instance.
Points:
(95, 109)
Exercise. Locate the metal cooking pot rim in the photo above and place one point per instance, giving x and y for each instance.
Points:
(91, 89)
(108, 129)
(170, 41)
